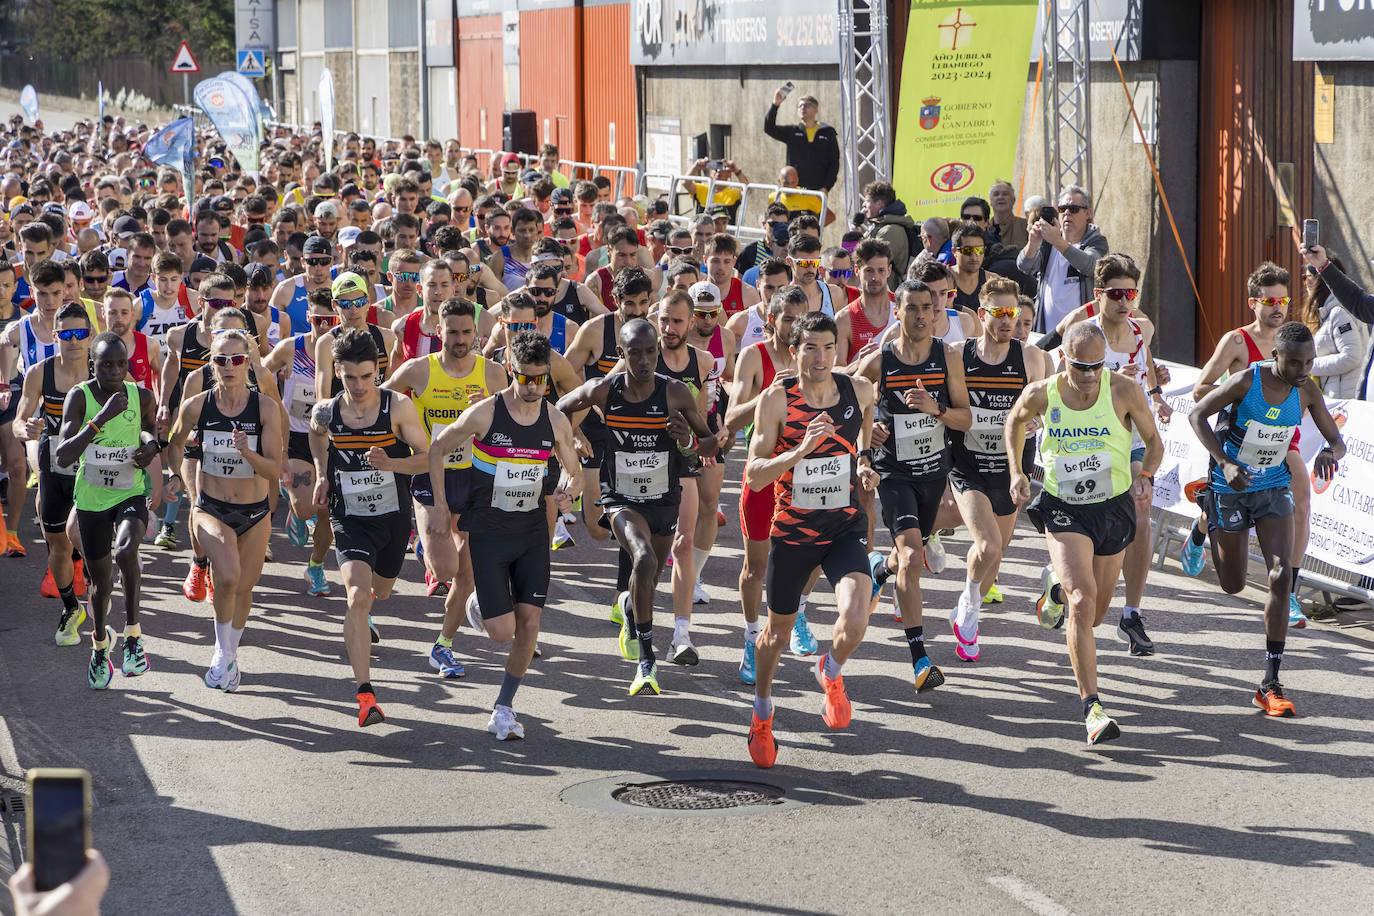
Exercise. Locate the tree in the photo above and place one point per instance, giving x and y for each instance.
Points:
(89, 31)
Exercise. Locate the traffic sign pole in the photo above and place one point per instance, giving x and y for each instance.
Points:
(186, 88)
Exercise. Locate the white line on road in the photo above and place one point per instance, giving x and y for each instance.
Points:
(1028, 896)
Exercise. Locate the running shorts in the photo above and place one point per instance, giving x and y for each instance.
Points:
(457, 489)
(756, 512)
(790, 566)
(909, 503)
(241, 517)
(379, 542)
(98, 526)
(56, 496)
(661, 517)
(997, 488)
(509, 569)
(1239, 511)
(298, 447)
(1110, 525)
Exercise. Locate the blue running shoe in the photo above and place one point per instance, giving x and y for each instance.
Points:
(316, 583)
(746, 665)
(877, 564)
(926, 675)
(803, 643)
(1296, 618)
(296, 532)
(1192, 557)
(442, 660)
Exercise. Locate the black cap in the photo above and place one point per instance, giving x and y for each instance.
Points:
(259, 274)
(318, 244)
(562, 196)
(201, 264)
(126, 224)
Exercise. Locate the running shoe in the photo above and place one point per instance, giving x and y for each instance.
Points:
(684, 654)
(1296, 618)
(435, 586)
(720, 516)
(196, 584)
(561, 537)
(372, 630)
(442, 660)
(1193, 489)
(1270, 700)
(1192, 557)
(69, 626)
(135, 657)
(1132, 629)
(79, 576)
(316, 583)
(267, 551)
(474, 612)
(417, 545)
(1048, 612)
(504, 725)
(927, 676)
(1101, 727)
(994, 595)
(101, 670)
(629, 642)
(166, 537)
(877, 563)
(369, 713)
(836, 710)
(14, 546)
(569, 518)
(747, 672)
(763, 747)
(965, 646)
(699, 595)
(48, 587)
(217, 675)
(231, 683)
(646, 676)
(617, 615)
(296, 531)
(802, 642)
(935, 557)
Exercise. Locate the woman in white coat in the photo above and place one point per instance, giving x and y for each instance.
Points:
(1342, 339)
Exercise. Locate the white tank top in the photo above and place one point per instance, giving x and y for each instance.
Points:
(1115, 359)
(955, 334)
(753, 329)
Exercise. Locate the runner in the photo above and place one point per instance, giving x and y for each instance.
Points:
(804, 254)
(293, 361)
(510, 437)
(719, 258)
(107, 432)
(442, 385)
(419, 333)
(164, 304)
(807, 434)
(365, 443)
(920, 390)
(47, 384)
(865, 319)
(995, 373)
(145, 355)
(350, 297)
(1249, 483)
(240, 435)
(649, 417)
(1087, 507)
(292, 294)
(748, 325)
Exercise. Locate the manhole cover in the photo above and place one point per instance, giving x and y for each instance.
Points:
(698, 795)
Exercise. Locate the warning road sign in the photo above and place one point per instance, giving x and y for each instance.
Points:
(184, 61)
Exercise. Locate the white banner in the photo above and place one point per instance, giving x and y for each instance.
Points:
(1184, 457)
(326, 93)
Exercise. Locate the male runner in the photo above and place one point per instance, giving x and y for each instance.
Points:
(511, 437)
(107, 432)
(804, 254)
(719, 259)
(920, 390)
(419, 333)
(350, 297)
(807, 435)
(1250, 481)
(747, 326)
(292, 294)
(865, 319)
(1088, 504)
(164, 304)
(650, 419)
(365, 443)
(145, 356)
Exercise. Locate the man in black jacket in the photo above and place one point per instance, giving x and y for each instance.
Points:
(813, 148)
(1349, 294)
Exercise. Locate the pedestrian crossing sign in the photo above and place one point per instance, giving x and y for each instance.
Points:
(250, 62)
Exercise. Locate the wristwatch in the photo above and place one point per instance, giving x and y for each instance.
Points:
(1155, 390)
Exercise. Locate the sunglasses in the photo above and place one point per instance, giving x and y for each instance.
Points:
(808, 263)
(229, 359)
(319, 262)
(947, 293)
(515, 327)
(972, 217)
(73, 333)
(542, 292)
(1116, 294)
(845, 274)
(359, 303)
(1271, 301)
(708, 312)
(522, 378)
(1086, 367)
(324, 321)
(92, 279)
(406, 276)
(217, 304)
(1070, 208)
(1002, 311)
(680, 249)
(563, 211)
(972, 249)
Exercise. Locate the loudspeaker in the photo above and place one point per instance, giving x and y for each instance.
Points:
(720, 141)
(521, 131)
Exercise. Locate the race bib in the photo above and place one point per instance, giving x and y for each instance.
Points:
(985, 434)
(369, 493)
(110, 467)
(53, 466)
(302, 402)
(641, 475)
(1264, 446)
(821, 483)
(919, 436)
(517, 486)
(456, 458)
(220, 458)
(1084, 478)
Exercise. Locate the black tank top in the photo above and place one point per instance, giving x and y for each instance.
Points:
(642, 461)
(688, 375)
(992, 389)
(383, 360)
(52, 417)
(356, 489)
(509, 465)
(818, 498)
(194, 355)
(219, 457)
(916, 447)
(569, 305)
(970, 301)
(610, 351)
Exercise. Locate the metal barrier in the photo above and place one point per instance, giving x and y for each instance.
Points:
(741, 227)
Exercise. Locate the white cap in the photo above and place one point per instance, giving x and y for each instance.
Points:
(81, 212)
(348, 236)
(704, 292)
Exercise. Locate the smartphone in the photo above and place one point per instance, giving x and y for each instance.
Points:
(59, 824)
(714, 164)
(786, 89)
(1049, 214)
(1311, 233)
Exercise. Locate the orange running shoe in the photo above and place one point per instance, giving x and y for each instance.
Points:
(836, 711)
(369, 713)
(13, 546)
(48, 587)
(1193, 489)
(79, 578)
(1271, 701)
(763, 747)
(197, 581)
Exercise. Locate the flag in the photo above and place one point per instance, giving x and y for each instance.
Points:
(175, 146)
(28, 100)
(234, 115)
(327, 117)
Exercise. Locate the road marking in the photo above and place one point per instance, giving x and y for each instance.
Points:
(1028, 896)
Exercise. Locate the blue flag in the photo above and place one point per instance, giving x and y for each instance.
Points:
(234, 115)
(28, 100)
(173, 144)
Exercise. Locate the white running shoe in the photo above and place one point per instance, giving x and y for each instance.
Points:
(475, 614)
(699, 595)
(936, 560)
(504, 725)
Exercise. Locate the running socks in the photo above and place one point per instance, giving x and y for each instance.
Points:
(1198, 535)
(699, 558)
(509, 684)
(681, 626)
(832, 667)
(442, 640)
(624, 563)
(763, 708)
(645, 631)
(201, 562)
(132, 631)
(1128, 612)
(751, 630)
(1273, 657)
(68, 596)
(366, 687)
(916, 642)
(1088, 702)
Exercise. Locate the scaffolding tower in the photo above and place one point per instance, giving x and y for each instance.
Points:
(1066, 53)
(864, 108)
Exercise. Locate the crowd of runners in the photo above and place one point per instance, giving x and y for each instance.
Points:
(407, 354)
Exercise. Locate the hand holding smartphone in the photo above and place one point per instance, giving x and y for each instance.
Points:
(1311, 233)
(59, 825)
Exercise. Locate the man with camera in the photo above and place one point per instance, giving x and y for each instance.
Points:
(1061, 252)
(813, 148)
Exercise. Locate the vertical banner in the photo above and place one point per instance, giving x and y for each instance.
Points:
(963, 92)
(327, 117)
(251, 91)
(100, 104)
(175, 146)
(234, 115)
(28, 100)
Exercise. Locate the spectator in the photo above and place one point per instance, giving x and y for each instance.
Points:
(1061, 256)
(795, 203)
(886, 220)
(1342, 341)
(813, 148)
(935, 241)
(772, 245)
(1011, 230)
(723, 196)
